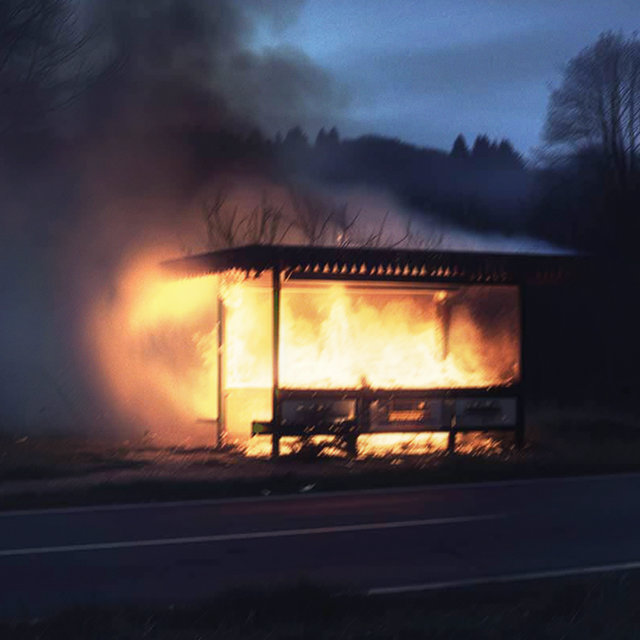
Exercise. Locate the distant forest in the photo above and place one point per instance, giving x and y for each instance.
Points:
(582, 189)
(485, 186)
(62, 104)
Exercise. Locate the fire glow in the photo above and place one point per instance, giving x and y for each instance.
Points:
(156, 341)
(338, 336)
(151, 339)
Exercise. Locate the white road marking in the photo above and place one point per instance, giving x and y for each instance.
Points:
(206, 502)
(505, 578)
(249, 535)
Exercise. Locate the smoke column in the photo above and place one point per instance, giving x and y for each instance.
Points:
(170, 86)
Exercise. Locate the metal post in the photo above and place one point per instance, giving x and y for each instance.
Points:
(220, 435)
(275, 437)
(451, 446)
(443, 313)
(453, 422)
(351, 432)
(352, 445)
(521, 387)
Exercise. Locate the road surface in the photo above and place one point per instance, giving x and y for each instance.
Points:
(376, 540)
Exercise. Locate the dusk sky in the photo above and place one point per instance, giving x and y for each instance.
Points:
(427, 70)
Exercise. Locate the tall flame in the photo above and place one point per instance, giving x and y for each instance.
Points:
(157, 343)
(385, 338)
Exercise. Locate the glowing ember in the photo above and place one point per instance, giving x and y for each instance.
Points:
(384, 444)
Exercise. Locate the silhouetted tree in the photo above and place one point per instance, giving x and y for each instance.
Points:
(460, 148)
(296, 140)
(507, 156)
(321, 138)
(481, 147)
(594, 116)
(294, 153)
(333, 137)
(327, 141)
(598, 103)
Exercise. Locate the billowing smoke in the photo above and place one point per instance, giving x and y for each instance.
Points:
(152, 100)
(191, 64)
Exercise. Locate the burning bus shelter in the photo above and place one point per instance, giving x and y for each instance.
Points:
(351, 341)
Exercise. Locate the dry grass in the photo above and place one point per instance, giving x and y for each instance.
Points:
(52, 471)
(579, 609)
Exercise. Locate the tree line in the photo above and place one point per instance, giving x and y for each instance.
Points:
(582, 190)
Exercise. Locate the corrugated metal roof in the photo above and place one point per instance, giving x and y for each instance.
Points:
(355, 263)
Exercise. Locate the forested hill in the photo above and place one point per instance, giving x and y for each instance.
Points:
(484, 186)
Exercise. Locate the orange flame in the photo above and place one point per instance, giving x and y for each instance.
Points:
(156, 342)
(340, 336)
(155, 350)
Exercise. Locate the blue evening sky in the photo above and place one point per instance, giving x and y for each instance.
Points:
(427, 70)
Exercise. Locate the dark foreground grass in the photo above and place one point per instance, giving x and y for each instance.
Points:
(281, 481)
(48, 458)
(284, 480)
(50, 472)
(581, 609)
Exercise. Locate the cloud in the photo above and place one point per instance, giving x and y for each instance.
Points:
(470, 68)
(429, 94)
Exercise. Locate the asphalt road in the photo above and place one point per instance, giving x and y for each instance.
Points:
(376, 540)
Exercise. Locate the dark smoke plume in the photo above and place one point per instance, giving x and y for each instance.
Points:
(190, 64)
(162, 87)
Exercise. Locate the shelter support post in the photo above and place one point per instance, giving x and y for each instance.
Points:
(520, 427)
(352, 445)
(451, 445)
(276, 414)
(220, 431)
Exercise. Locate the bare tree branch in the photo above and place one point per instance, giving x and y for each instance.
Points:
(226, 227)
(41, 58)
(596, 107)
